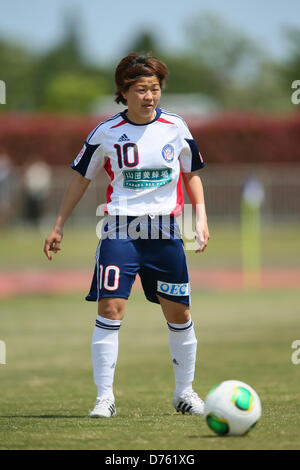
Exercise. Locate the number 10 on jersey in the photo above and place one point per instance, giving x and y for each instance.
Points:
(128, 155)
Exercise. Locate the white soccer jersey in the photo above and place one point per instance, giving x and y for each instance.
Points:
(143, 161)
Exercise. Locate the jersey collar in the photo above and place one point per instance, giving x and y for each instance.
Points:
(124, 116)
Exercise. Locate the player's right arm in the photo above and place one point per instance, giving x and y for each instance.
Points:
(74, 193)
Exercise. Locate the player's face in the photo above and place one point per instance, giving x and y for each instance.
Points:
(142, 99)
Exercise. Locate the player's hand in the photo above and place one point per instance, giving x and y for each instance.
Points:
(52, 242)
(202, 236)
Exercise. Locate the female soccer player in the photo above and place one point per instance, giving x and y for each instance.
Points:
(146, 152)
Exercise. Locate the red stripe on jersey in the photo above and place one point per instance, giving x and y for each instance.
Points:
(164, 120)
(120, 124)
(179, 199)
(110, 189)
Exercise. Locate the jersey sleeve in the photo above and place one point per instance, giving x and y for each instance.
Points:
(90, 159)
(190, 158)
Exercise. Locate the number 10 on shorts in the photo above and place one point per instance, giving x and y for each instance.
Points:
(109, 277)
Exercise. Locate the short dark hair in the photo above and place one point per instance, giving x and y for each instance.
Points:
(132, 67)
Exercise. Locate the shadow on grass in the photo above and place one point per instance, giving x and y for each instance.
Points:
(211, 436)
(54, 416)
(45, 416)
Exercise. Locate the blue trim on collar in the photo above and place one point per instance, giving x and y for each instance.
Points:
(124, 116)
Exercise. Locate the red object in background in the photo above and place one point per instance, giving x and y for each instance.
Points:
(224, 138)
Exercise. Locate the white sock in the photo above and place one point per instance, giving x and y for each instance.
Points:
(105, 344)
(183, 349)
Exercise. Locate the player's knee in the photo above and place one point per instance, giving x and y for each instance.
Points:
(113, 309)
(182, 316)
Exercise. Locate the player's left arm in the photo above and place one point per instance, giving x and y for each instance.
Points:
(194, 189)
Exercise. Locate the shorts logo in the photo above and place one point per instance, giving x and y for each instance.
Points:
(168, 152)
(173, 289)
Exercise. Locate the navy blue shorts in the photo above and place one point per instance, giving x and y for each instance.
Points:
(160, 263)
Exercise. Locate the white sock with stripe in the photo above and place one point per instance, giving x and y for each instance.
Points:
(183, 349)
(105, 344)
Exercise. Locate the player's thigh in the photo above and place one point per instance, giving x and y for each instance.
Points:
(174, 312)
(165, 278)
(116, 266)
(112, 308)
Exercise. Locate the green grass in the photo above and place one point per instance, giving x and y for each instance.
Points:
(47, 386)
(22, 248)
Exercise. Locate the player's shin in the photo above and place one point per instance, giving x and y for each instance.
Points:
(183, 349)
(104, 354)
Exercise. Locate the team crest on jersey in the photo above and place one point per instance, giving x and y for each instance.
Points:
(168, 152)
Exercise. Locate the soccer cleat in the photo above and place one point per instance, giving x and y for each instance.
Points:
(189, 402)
(104, 408)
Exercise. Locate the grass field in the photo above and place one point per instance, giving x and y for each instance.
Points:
(47, 387)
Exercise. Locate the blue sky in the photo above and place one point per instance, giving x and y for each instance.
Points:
(107, 27)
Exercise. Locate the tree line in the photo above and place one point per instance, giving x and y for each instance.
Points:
(218, 61)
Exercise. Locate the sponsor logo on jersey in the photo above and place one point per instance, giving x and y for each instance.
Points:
(148, 178)
(168, 152)
(79, 156)
(123, 138)
(173, 289)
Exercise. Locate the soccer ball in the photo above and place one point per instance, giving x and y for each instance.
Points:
(232, 408)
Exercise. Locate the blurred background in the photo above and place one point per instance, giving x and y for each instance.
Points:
(234, 77)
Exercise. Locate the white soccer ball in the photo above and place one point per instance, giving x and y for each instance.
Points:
(232, 408)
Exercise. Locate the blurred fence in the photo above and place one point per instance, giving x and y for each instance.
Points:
(223, 185)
